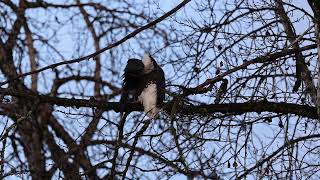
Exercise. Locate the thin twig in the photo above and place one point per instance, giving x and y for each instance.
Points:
(260, 59)
(87, 57)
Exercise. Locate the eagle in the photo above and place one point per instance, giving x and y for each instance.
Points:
(144, 82)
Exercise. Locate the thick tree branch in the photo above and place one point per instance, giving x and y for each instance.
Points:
(32, 55)
(302, 71)
(231, 108)
(258, 107)
(60, 157)
(315, 6)
(6, 48)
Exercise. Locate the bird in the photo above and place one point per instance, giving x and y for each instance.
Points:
(221, 91)
(144, 82)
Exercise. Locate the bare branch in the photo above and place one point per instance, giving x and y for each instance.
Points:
(110, 46)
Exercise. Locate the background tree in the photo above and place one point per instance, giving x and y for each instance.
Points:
(242, 94)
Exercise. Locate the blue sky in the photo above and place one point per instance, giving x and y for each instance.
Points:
(67, 47)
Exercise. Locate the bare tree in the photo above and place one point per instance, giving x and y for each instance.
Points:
(242, 95)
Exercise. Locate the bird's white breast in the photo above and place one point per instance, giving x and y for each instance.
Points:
(148, 98)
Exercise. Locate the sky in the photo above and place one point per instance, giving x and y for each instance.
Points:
(67, 47)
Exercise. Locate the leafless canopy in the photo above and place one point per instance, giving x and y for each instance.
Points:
(242, 95)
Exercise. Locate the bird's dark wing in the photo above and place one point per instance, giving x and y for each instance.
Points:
(132, 73)
(161, 84)
(134, 68)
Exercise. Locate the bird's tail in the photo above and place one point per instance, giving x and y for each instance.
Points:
(123, 101)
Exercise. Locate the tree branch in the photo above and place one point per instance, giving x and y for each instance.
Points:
(286, 144)
(231, 108)
(110, 46)
(202, 88)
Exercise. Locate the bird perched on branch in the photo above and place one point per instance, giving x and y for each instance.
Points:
(143, 81)
(221, 91)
